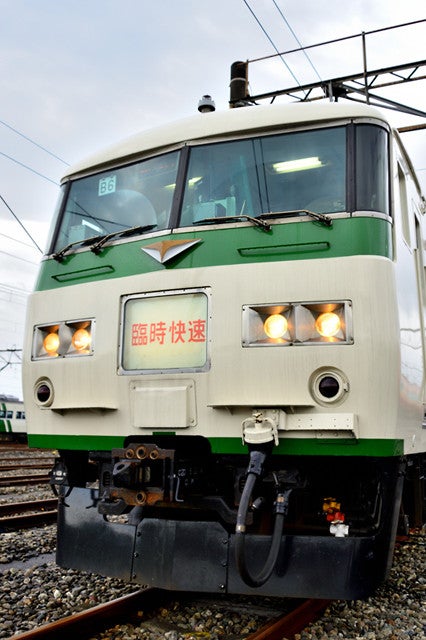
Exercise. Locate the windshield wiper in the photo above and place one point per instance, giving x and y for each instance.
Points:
(60, 254)
(321, 217)
(97, 246)
(98, 241)
(223, 219)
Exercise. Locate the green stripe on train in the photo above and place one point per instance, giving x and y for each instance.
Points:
(292, 446)
(242, 245)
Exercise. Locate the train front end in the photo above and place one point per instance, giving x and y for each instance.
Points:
(214, 349)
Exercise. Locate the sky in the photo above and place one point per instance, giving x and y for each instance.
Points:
(78, 76)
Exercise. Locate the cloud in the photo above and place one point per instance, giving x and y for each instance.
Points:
(79, 76)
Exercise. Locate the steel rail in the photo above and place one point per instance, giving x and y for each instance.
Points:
(28, 520)
(85, 623)
(290, 624)
(12, 446)
(10, 508)
(13, 481)
(17, 465)
(125, 609)
(15, 515)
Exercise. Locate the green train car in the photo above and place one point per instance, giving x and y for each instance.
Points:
(13, 426)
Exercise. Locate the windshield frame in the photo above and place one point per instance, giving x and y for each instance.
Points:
(183, 162)
(96, 226)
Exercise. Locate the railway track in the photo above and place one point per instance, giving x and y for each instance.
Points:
(16, 468)
(21, 515)
(12, 446)
(13, 481)
(143, 604)
(31, 463)
(20, 466)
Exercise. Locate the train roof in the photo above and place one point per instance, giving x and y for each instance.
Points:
(224, 123)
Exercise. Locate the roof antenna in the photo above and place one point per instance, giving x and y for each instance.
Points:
(206, 104)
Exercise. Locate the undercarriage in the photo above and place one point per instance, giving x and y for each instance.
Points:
(168, 513)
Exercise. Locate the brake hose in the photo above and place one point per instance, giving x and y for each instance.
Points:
(255, 469)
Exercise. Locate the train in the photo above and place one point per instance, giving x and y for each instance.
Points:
(226, 346)
(13, 426)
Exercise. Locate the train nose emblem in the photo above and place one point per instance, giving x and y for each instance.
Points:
(167, 249)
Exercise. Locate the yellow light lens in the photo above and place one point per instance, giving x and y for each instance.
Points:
(275, 325)
(81, 340)
(51, 344)
(328, 324)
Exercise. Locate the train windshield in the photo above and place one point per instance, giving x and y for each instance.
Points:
(139, 195)
(291, 172)
(304, 170)
(328, 170)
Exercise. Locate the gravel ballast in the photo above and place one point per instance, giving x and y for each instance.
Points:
(33, 594)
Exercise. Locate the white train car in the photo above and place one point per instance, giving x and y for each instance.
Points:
(226, 344)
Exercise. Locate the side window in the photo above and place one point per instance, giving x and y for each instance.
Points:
(372, 169)
(403, 199)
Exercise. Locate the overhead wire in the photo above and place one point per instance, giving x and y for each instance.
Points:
(11, 255)
(25, 166)
(29, 168)
(25, 244)
(297, 40)
(36, 144)
(9, 362)
(8, 290)
(271, 42)
(20, 223)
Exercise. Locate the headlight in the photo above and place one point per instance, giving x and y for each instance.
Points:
(328, 324)
(275, 325)
(62, 339)
(51, 343)
(297, 323)
(81, 340)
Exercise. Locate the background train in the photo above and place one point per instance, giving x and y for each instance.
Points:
(226, 344)
(13, 426)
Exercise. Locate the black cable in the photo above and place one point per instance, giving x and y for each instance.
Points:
(21, 164)
(25, 244)
(240, 538)
(255, 470)
(20, 223)
(11, 255)
(33, 142)
(297, 39)
(271, 42)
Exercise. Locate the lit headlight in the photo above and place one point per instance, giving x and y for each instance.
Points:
(328, 324)
(275, 326)
(68, 338)
(297, 323)
(51, 343)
